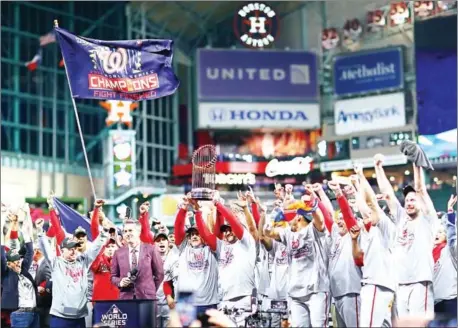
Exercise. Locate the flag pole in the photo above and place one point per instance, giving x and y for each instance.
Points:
(56, 24)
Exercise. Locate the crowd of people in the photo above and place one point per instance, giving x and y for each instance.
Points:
(376, 262)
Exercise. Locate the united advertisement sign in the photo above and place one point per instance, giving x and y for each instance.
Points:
(262, 76)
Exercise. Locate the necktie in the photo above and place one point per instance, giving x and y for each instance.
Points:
(134, 258)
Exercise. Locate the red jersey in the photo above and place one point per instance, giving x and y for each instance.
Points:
(103, 288)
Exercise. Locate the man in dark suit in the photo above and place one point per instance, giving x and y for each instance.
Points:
(137, 267)
(19, 293)
(43, 281)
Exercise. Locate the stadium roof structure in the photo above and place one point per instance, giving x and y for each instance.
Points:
(192, 23)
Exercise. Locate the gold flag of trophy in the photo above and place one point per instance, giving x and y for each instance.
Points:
(203, 172)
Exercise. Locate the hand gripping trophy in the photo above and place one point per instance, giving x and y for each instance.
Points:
(203, 172)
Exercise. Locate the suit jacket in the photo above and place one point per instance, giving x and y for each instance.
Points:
(150, 272)
(10, 279)
(43, 278)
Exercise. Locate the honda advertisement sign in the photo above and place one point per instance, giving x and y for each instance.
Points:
(366, 72)
(224, 115)
(261, 76)
(369, 113)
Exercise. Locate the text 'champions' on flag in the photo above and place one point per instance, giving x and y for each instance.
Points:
(119, 70)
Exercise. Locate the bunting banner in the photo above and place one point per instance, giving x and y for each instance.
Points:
(118, 70)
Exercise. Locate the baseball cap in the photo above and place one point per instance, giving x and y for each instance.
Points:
(159, 235)
(191, 229)
(408, 189)
(13, 255)
(80, 231)
(69, 243)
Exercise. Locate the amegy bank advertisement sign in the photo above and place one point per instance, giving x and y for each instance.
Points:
(369, 113)
(258, 115)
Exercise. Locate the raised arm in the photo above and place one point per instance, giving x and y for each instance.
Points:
(45, 247)
(207, 236)
(219, 221)
(384, 184)
(12, 236)
(27, 233)
(94, 249)
(318, 189)
(265, 240)
(347, 212)
(60, 233)
(252, 226)
(358, 254)
(179, 229)
(236, 226)
(146, 236)
(422, 192)
(95, 224)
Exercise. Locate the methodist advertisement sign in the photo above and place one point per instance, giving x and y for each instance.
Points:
(369, 113)
(365, 72)
(226, 115)
(251, 89)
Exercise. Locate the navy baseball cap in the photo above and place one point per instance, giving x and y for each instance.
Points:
(191, 229)
(13, 255)
(69, 243)
(407, 190)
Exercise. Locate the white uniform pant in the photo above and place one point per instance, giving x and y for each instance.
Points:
(376, 306)
(88, 319)
(348, 308)
(415, 300)
(163, 315)
(310, 311)
(243, 302)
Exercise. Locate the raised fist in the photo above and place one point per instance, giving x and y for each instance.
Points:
(333, 185)
(288, 189)
(144, 207)
(354, 231)
(317, 187)
(358, 168)
(379, 159)
(99, 203)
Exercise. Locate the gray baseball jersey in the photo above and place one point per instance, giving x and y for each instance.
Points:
(280, 272)
(236, 267)
(414, 247)
(198, 272)
(444, 277)
(262, 276)
(345, 276)
(378, 258)
(308, 258)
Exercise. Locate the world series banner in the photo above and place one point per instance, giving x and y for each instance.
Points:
(119, 70)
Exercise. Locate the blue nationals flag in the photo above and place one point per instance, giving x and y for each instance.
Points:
(118, 70)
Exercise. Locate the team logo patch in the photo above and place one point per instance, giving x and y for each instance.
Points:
(256, 25)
